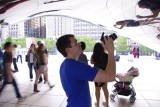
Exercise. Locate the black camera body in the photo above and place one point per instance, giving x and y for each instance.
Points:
(113, 36)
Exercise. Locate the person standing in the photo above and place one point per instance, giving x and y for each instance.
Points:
(14, 58)
(100, 60)
(1, 59)
(134, 52)
(75, 75)
(138, 52)
(42, 60)
(31, 60)
(82, 56)
(19, 53)
(8, 77)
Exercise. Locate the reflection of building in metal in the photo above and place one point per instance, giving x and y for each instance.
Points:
(82, 28)
(16, 30)
(58, 25)
(54, 26)
(36, 27)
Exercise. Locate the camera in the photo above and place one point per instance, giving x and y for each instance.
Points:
(113, 36)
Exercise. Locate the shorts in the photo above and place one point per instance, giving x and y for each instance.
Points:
(43, 69)
(99, 84)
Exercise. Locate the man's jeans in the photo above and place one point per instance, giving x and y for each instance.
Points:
(18, 95)
(19, 56)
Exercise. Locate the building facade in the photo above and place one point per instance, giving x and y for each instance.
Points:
(54, 26)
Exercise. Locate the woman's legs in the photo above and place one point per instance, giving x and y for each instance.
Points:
(30, 70)
(38, 74)
(106, 93)
(97, 93)
(46, 79)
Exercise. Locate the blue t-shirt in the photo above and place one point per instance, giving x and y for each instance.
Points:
(74, 78)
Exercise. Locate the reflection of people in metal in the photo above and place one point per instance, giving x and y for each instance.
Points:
(134, 23)
(134, 52)
(153, 5)
(158, 36)
(137, 52)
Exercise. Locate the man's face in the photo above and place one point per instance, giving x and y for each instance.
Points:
(75, 49)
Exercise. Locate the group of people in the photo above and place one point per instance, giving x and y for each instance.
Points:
(74, 70)
(152, 5)
(37, 59)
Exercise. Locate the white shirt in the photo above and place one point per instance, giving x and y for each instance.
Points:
(31, 56)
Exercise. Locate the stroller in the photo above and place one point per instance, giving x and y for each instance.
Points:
(124, 85)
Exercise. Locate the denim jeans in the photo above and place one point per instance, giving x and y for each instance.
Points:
(15, 64)
(31, 67)
(19, 56)
(18, 95)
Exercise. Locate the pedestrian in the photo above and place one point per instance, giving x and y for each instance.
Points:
(134, 52)
(19, 53)
(8, 77)
(1, 60)
(100, 59)
(31, 60)
(75, 75)
(137, 52)
(14, 57)
(37, 66)
(42, 60)
(82, 56)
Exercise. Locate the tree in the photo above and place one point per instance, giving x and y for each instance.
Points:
(89, 41)
(121, 45)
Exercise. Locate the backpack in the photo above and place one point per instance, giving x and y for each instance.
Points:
(26, 58)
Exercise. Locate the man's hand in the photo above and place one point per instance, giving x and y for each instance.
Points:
(108, 45)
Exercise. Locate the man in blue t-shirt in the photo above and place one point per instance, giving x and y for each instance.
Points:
(75, 74)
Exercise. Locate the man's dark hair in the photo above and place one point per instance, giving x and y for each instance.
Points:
(64, 42)
(15, 46)
(7, 44)
(83, 45)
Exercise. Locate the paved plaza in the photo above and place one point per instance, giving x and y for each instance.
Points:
(146, 85)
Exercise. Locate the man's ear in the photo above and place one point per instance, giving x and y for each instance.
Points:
(67, 50)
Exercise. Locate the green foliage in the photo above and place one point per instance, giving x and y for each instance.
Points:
(145, 49)
(121, 45)
(20, 41)
(9, 39)
(89, 41)
(50, 44)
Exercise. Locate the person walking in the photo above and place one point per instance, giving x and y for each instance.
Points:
(42, 60)
(31, 60)
(8, 77)
(37, 65)
(19, 53)
(14, 57)
(100, 60)
(82, 56)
